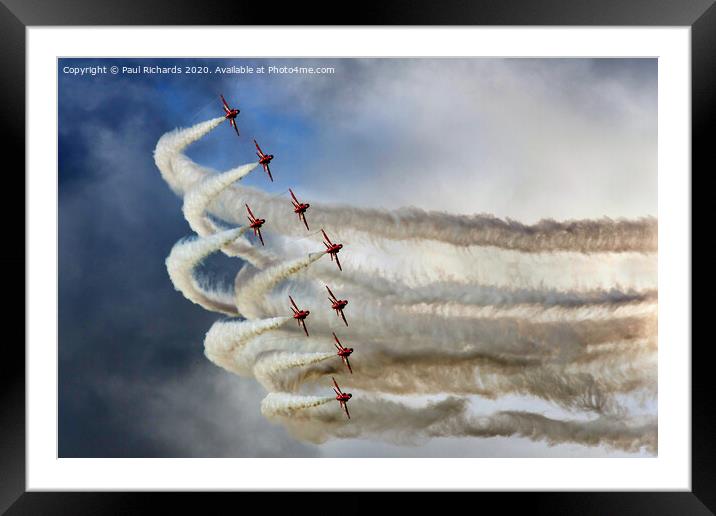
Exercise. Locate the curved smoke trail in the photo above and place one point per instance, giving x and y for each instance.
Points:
(198, 198)
(563, 312)
(196, 202)
(225, 339)
(183, 259)
(168, 157)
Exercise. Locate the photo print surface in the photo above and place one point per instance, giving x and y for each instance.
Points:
(358, 257)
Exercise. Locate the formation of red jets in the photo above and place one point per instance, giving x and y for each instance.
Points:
(343, 352)
(300, 208)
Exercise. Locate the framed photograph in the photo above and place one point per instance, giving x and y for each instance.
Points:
(444, 250)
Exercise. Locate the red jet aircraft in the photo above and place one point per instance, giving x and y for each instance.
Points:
(255, 224)
(231, 114)
(338, 305)
(342, 397)
(300, 208)
(264, 160)
(299, 315)
(332, 249)
(344, 353)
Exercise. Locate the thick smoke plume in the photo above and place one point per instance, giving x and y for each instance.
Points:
(474, 308)
(307, 418)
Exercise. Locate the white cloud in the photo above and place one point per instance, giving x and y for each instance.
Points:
(523, 139)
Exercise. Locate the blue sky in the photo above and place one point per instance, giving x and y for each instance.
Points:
(519, 138)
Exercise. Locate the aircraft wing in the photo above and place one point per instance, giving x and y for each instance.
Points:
(236, 127)
(250, 212)
(303, 217)
(334, 383)
(326, 237)
(331, 293)
(349, 365)
(293, 196)
(268, 171)
(226, 106)
(343, 317)
(345, 407)
(338, 263)
(258, 232)
(261, 153)
(293, 302)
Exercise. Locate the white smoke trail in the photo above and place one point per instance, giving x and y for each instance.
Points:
(532, 313)
(197, 200)
(242, 248)
(497, 336)
(404, 424)
(224, 338)
(276, 363)
(576, 390)
(426, 265)
(424, 262)
(199, 197)
(285, 404)
(583, 387)
(183, 259)
(608, 431)
(263, 281)
(395, 291)
(453, 321)
(586, 236)
(169, 149)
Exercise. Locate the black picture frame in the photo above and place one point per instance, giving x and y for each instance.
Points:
(17, 15)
